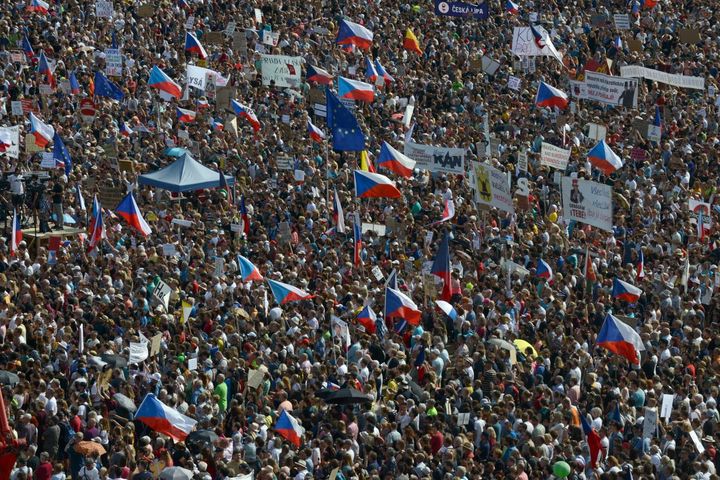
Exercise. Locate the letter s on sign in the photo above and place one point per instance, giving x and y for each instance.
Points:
(522, 187)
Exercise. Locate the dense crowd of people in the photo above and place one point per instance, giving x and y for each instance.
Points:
(512, 386)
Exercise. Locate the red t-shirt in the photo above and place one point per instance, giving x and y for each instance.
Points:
(436, 442)
(43, 471)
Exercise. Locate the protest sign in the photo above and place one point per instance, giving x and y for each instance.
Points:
(270, 38)
(523, 42)
(213, 38)
(138, 352)
(451, 8)
(281, 69)
(436, 159)
(113, 62)
(676, 80)
(514, 83)
(611, 90)
(341, 330)
(522, 161)
(689, 35)
(634, 45)
(698, 208)
(650, 423)
(489, 65)
(197, 77)
(596, 132)
(13, 133)
(587, 202)
(162, 293)
(146, 11)
(622, 21)
(492, 187)
(667, 406)
(554, 157)
(104, 9)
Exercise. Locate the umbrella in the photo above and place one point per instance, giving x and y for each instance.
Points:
(325, 392)
(96, 361)
(115, 361)
(175, 152)
(176, 473)
(523, 345)
(501, 343)
(89, 448)
(8, 378)
(348, 396)
(200, 438)
(125, 402)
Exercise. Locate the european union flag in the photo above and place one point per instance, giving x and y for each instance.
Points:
(61, 154)
(106, 88)
(346, 133)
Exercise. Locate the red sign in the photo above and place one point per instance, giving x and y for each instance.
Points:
(87, 107)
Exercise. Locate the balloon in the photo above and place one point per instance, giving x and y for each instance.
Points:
(561, 469)
(223, 193)
(181, 358)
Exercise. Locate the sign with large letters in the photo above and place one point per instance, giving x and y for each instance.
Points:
(450, 8)
(437, 159)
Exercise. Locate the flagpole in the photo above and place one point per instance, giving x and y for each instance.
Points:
(328, 198)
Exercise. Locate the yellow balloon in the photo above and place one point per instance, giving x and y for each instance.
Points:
(553, 217)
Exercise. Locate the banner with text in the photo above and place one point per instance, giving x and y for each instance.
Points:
(283, 70)
(492, 187)
(587, 202)
(436, 159)
(682, 81)
(622, 92)
(450, 8)
(554, 157)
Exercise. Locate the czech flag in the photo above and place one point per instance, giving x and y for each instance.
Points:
(338, 215)
(640, 264)
(512, 7)
(371, 73)
(354, 34)
(448, 309)
(315, 133)
(285, 293)
(395, 161)
(94, 214)
(543, 270)
(185, 116)
(624, 291)
(589, 268)
(383, 73)
(16, 234)
(163, 419)
(125, 131)
(74, 84)
(410, 42)
(604, 159)
(5, 140)
(374, 185)
(548, 96)
(318, 75)
(42, 132)
(355, 90)
(244, 216)
(593, 440)
(129, 210)
(193, 45)
(367, 319)
(620, 338)
(248, 271)
(247, 113)
(38, 6)
(44, 69)
(161, 81)
(289, 428)
(217, 125)
(538, 37)
(448, 211)
(441, 268)
(98, 230)
(399, 305)
(27, 47)
(357, 240)
(650, 4)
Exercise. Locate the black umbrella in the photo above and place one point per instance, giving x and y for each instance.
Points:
(115, 361)
(8, 378)
(200, 438)
(125, 402)
(348, 396)
(324, 393)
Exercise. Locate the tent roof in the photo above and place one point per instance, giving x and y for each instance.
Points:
(184, 175)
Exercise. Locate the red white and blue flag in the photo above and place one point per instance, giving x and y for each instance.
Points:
(244, 216)
(625, 291)
(374, 185)
(248, 271)
(42, 132)
(512, 7)
(125, 131)
(618, 337)
(98, 231)
(441, 268)
(549, 96)
(44, 68)
(94, 214)
(16, 234)
(38, 6)
(164, 419)
(338, 214)
(74, 84)
(355, 90)
(129, 210)
(289, 428)
(247, 113)
(185, 116)
(395, 161)
(161, 81)
(315, 133)
(351, 33)
(193, 45)
(604, 159)
(383, 73)
(318, 75)
(285, 293)
(593, 440)
(399, 305)
(368, 319)
(371, 73)
(543, 270)
(27, 47)
(640, 264)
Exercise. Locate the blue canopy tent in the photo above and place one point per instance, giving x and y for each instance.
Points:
(184, 175)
